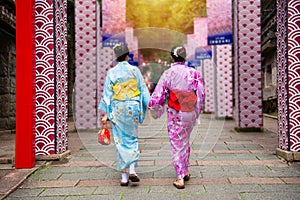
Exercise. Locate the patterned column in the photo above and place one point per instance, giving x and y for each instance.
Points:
(223, 73)
(198, 39)
(288, 76)
(220, 37)
(51, 77)
(248, 88)
(85, 107)
(105, 61)
(201, 31)
(113, 16)
(208, 77)
(191, 45)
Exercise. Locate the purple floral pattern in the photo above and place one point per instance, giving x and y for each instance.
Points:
(180, 124)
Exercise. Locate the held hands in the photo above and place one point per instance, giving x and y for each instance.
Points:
(157, 111)
(154, 114)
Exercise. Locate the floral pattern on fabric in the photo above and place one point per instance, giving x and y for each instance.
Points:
(126, 111)
(180, 124)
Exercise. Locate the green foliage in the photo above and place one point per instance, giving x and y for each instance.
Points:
(162, 24)
(70, 20)
(177, 15)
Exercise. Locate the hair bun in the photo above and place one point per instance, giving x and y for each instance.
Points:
(178, 53)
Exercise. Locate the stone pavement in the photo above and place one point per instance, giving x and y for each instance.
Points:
(224, 165)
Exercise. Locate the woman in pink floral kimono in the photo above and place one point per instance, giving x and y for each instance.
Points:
(183, 90)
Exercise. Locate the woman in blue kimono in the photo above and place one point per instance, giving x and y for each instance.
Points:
(124, 100)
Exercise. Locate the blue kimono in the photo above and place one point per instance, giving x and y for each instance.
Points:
(125, 98)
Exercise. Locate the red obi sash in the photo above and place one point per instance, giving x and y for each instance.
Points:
(184, 101)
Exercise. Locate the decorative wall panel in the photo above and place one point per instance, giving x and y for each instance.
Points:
(288, 63)
(220, 37)
(201, 31)
(105, 61)
(219, 14)
(223, 74)
(85, 107)
(281, 74)
(248, 64)
(61, 76)
(191, 45)
(45, 103)
(113, 16)
(294, 73)
(51, 77)
(208, 78)
(198, 39)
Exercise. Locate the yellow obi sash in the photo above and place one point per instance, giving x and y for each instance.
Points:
(127, 89)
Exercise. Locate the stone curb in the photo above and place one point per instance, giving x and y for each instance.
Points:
(53, 156)
(13, 180)
(288, 155)
(270, 116)
(6, 160)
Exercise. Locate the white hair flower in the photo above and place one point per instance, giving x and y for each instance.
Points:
(175, 51)
(116, 45)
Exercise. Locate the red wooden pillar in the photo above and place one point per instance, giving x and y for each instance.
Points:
(25, 89)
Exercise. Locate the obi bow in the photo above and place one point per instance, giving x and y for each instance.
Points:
(128, 89)
(181, 100)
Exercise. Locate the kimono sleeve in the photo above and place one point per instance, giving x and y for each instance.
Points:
(106, 97)
(145, 96)
(159, 96)
(200, 92)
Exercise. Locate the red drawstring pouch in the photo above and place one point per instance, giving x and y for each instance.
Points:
(104, 136)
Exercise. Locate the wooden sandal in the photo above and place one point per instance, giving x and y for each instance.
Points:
(124, 183)
(134, 178)
(178, 185)
(187, 177)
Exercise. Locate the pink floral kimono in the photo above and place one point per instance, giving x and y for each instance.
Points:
(181, 87)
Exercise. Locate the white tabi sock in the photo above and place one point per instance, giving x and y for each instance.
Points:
(124, 177)
(132, 169)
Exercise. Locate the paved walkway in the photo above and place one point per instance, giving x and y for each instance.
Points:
(224, 165)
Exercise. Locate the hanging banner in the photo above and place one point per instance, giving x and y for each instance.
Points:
(203, 53)
(193, 63)
(218, 39)
(219, 14)
(109, 40)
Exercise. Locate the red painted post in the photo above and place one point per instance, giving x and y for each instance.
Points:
(25, 84)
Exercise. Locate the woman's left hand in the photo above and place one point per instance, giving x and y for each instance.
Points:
(104, 120)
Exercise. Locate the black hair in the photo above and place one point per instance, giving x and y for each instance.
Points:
(178, 53)
(121, 51)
